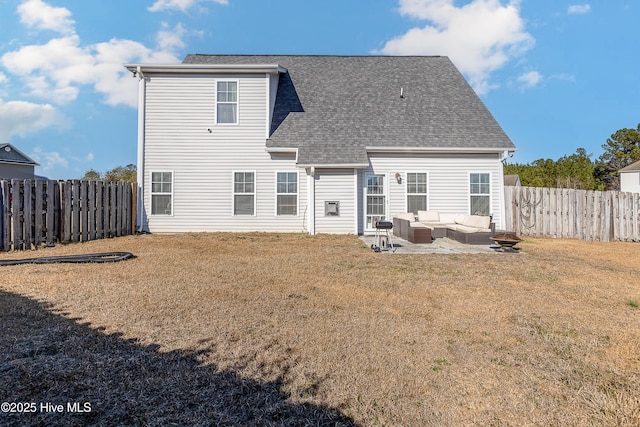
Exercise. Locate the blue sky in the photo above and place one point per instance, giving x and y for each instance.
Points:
(557, 75)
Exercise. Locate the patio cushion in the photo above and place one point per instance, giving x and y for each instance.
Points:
(464, 228)
(428, 216)
(407, 216)
(416, 224)
(478, 221)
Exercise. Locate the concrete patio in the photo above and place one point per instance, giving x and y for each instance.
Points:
(441, 245)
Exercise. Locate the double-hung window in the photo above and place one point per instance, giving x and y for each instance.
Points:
(244, 193)
(287, 193)
(480, 193)
(227, 102)
(416, 192)
(161, 193)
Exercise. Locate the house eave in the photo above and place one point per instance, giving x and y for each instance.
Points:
(282, 150)
(334, 165)
(206, 68)
(440, 150)
(9, 162)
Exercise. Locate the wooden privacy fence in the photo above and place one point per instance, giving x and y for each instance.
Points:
(39, 212)
(566, 213)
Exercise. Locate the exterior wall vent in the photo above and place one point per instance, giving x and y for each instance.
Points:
(331, 208)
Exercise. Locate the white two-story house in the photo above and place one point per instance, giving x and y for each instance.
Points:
(316, 144)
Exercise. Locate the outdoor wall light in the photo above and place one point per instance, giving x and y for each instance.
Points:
(398, 177)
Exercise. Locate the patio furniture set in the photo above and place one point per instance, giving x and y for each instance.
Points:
(429, 225)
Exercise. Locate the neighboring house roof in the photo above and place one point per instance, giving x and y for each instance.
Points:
(512, 180)
(633, 167)
(10, 154)
(333, 109)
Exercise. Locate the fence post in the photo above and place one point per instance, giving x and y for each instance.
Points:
(52, 213)
(111, 207)
(5, 215)
(40, 200)
(91, 205)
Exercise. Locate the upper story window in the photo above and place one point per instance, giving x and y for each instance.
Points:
(480, 193)
(227, 102)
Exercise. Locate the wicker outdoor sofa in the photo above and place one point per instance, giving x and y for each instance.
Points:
(429, 225)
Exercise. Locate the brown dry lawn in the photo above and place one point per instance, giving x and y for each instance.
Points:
(277, 329)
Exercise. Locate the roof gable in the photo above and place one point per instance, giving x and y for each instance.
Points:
(334, 108)
(10, 154)
(633, 167)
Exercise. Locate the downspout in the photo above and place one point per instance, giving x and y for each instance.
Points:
(356, 215)
(503, 209)
(312, 201)
(141, 217)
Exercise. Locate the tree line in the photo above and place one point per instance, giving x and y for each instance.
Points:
(578, 170)
(127, 173)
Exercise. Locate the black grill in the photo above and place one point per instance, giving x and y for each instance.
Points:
(384, 225)
(382, 240)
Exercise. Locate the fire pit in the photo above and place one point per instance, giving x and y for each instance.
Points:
(507, 242)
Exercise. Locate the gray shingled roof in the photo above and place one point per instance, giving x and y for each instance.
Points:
(332, 107)
(10, 154)
(631, 168)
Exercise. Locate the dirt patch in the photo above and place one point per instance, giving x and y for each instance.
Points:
(285, 329)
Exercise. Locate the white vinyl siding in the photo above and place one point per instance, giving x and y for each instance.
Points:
(179, 112)
(630, 182)
(335, 185)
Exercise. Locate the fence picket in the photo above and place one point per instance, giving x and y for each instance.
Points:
(52, 207)
(16, 212)
(5, 215)
(84, 211)
(39, 223)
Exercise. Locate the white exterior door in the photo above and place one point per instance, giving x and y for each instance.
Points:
(375, 202)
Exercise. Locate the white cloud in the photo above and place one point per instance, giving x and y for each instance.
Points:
(181, 5)
(56, 70)
(480, 37)
(24, 118)
(170, 39)
(49, 160)
(38, 14)
(579, 9)
(530, 79)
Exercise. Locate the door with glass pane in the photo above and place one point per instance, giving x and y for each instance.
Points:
(375, 201)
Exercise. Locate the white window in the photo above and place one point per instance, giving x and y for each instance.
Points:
(416, 192)
(480, 193)
(287, 193)
(227, 102)
(161, 193)
(244, 193)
